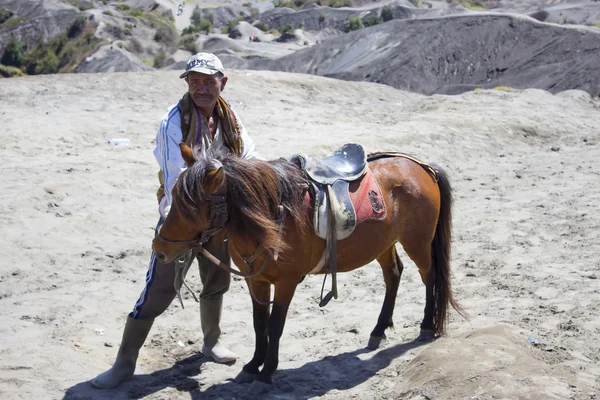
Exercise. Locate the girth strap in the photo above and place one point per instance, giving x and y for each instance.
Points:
(331, 251)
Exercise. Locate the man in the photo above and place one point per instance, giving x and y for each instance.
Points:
(201, 118)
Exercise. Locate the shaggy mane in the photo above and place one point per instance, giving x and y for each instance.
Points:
(255, 190)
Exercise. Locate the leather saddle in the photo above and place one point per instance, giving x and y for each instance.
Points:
(330, 177)
(334, 217)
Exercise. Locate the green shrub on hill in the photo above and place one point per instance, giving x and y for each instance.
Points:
(47, 64)
(209, 16)
(262, 26)
(286, 28)
(335, 3)
(354, 24)
(322, 17)
(160, 60)
(159, 36)
(199, 24)
(4, 15)
(288, 4)
(196, 16)
(12, 22)
(10, 72)
(476, 5)
(231, 24)
(188, 42)
(80, 6)
(204, 26)
(136, 12)
(387, 14)
(298, 4)
(14, 53)
(76, 26)
(371, 20)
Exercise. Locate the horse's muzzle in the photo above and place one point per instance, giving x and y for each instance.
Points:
(163, 252)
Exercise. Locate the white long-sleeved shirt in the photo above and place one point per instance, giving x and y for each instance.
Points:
(168, 154)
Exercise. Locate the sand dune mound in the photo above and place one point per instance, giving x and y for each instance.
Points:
(496, 362)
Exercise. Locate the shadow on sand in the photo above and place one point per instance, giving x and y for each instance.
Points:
(341, 372)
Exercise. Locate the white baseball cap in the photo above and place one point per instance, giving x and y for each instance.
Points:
(204, 63)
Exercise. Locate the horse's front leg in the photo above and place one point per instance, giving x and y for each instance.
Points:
(260, 313)
(284, 291)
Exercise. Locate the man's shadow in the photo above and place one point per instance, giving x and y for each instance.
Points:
(179, 376)
(340, 372)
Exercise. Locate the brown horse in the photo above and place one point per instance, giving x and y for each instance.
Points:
(418, 203)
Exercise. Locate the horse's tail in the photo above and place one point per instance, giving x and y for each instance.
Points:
(440, 257)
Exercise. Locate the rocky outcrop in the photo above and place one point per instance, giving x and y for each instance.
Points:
(39, 20)
(112, 59)
(316, 18)
(220, 16)
(133, 30)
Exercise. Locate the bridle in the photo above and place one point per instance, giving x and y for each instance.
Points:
(218, 218)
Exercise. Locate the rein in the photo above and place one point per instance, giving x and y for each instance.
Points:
(218, 214)
(217, 219)
(259, 250)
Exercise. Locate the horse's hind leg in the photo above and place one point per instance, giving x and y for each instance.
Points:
(421, 255)
(392, 272)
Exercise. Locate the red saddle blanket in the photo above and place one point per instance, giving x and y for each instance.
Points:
(366, 198)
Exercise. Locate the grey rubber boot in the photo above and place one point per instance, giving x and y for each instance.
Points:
(134, 336)
(210, 317)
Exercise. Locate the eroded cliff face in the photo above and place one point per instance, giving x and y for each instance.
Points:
(35, 21)
(118, 36)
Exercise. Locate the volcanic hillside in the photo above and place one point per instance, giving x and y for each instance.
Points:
(456, 54)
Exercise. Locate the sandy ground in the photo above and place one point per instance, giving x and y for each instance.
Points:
(77, 219)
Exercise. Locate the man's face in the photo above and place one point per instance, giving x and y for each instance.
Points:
(205, 89)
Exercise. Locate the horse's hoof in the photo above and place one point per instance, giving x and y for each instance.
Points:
(245, 377)
(257, 387)
(426, 335)
(375, 342)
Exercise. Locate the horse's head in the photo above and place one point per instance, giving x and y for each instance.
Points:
(198, 209)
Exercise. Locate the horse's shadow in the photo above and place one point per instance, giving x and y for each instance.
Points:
(340, 372)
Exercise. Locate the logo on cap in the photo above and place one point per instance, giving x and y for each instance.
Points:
(194, 63)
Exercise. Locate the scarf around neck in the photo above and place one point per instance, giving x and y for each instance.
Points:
(191, 117)
(192, 136)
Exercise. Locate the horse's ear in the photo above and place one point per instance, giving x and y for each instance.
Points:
(187, 154)
(214, 178)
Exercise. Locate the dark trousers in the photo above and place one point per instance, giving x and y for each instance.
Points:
(160, 279)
